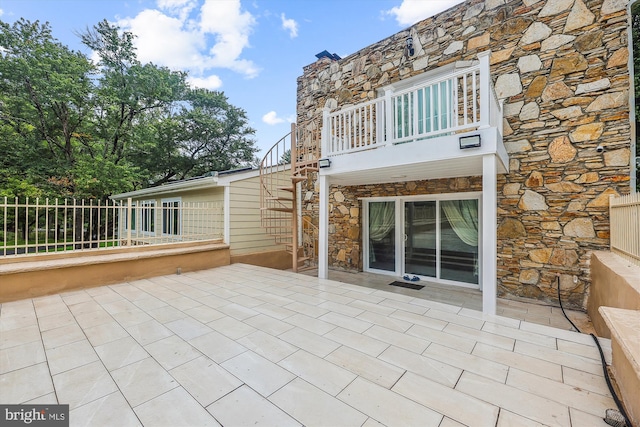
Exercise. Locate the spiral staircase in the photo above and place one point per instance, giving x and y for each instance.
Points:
(284, 171)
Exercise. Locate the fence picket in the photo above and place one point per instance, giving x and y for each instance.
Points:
(624, 212)
(35, 228)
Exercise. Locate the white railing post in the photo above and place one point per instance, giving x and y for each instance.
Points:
(485, 89)
(128, 221)
(388, 113)
(326, 133)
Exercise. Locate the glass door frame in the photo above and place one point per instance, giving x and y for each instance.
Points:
(400, 234)
(365, 234)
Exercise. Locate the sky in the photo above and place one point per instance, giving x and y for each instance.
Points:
(252, 50)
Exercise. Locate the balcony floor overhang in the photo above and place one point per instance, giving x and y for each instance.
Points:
(438, 157)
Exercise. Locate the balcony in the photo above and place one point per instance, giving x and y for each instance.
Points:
(399, 133)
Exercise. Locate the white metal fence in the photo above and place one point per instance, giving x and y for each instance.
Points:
(46, 226)
(625, 226)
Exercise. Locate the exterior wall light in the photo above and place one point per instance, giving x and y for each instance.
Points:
(324, 163)
(410, 47)
(472, 141)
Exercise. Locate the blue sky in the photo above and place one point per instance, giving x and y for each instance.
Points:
(252, 50)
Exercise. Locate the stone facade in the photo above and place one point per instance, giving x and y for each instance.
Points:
(561, 68)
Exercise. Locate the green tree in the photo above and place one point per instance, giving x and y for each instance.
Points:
(217, 135)
(205, 134)
(69, 128)
(127, 90)
(45, 98)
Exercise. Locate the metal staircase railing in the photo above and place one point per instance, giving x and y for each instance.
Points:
(285, 165)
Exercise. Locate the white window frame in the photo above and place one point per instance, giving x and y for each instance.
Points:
(177, 203)
(147, 216)
(129, 223)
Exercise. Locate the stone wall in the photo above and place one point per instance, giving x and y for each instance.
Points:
(561, 68)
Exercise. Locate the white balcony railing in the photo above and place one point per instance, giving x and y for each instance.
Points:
(460, 101)
(44, 226)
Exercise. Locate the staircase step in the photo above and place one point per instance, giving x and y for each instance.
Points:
(289, 189)
(307, 169)
(298, 178)
(286, 199)
(290, 210)
(307, 163)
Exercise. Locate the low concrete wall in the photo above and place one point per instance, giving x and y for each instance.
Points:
(279, 259)
(615, 282)
(625, 348)
(33, 276)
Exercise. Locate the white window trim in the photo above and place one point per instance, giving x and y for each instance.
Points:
(162, 217)
(141, 207)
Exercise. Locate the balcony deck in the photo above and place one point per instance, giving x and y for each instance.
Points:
(245, 345)
(414, 131)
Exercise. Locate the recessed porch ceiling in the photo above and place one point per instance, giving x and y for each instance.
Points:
(420, 160)
(451, 168)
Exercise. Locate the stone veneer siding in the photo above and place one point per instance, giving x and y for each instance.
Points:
(561, 68)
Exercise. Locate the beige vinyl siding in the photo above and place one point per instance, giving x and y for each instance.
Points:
(247, 235)
(196, 219)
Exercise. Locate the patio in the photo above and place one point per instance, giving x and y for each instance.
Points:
(245, 345)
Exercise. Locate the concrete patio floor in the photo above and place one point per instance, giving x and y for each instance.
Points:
(244, 345)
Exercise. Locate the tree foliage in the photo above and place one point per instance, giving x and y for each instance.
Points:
(72, 127)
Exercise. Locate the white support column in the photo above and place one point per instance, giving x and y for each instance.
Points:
(489, 234)
(226, 214)
(323, 228)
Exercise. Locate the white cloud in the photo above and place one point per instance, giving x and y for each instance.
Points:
(1, 12)
(291, 25)
(179, 36)
(411, 11)
(174, 4)
(180, 7)
(161, 39)
(271, 118)
(232, 29)
(212, 82)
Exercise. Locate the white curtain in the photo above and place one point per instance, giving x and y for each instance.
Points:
(382, 218)
(463, 217)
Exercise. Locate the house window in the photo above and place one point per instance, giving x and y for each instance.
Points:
(129, 223)
(147, 220)
(171, 217)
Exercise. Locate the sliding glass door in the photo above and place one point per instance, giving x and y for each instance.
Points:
(420, 244)
(459, 240)
(440, 238)
(382, 235)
